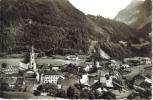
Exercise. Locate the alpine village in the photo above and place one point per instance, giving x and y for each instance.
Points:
(51, 50)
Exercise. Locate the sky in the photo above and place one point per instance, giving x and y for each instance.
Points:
(105, 8)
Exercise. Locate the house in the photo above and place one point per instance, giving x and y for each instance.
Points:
(84, 79)
(35, 87)
(145, 60)
(57, 66)
(11, 79)
(92, 80)
(109, 81)
(138, 60)
(2, 74)
(97, 64)
(72, 57)
(10, 69)
(70, 80)
(125, 66)
(43, 93)
(101, 75)
(23, 66)
(51, 76)
(123, 43)
(87, 68)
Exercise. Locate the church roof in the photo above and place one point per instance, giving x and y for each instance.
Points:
(29, 74)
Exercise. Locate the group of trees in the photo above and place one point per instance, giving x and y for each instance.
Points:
(51, 89)
(74, 93)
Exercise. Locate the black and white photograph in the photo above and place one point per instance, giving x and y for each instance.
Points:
(76, 49)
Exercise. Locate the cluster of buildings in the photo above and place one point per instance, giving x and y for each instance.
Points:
(138, 60)
(29, 76)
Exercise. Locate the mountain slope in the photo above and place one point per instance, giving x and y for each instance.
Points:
(137, 14)
(56, 27)
(52, 23)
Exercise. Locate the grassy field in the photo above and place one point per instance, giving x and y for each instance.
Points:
(15, 95)
(40, 61)
(23, 95)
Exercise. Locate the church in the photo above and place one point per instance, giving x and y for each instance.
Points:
(30, 68)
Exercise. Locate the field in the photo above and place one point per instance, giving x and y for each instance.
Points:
(40, 61)
(23, 95)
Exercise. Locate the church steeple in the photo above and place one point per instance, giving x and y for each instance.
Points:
(32, 59)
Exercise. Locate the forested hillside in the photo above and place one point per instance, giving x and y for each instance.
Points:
(56, 27)
(45, 23)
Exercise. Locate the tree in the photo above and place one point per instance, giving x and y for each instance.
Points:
(70, 92)
(61, 93)
(91, 95)
(36, 93)
(4, 87)
(108, 95)
(4, 65)
(84, 94)
(48, 87)
(96, 94)
(21, 73)
(26, 58)
(51, 88)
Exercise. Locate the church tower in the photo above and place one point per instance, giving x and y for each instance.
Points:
(32, 60)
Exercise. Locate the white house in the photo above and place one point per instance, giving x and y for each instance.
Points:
(87, 68)
(84, 79)
(72, 57)
(97, 64)
(125, 66)
(50, 77)
(23, 66)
